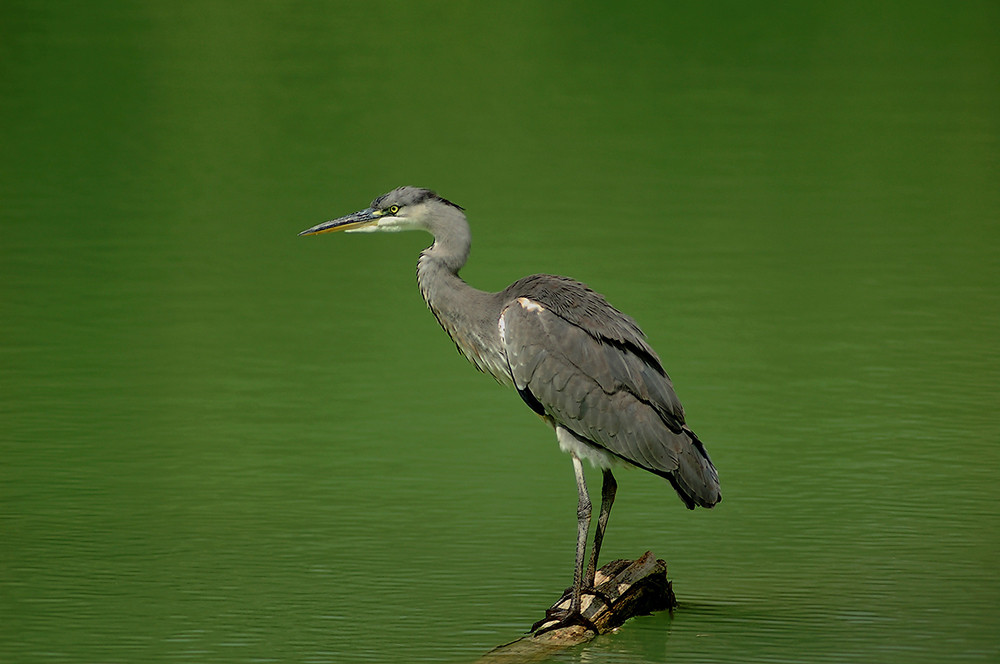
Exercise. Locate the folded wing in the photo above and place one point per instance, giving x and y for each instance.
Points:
(609, 390)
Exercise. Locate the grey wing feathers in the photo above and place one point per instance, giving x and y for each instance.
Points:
(610, 391)
(588, 310)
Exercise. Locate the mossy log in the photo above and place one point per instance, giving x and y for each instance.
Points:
(624, 589)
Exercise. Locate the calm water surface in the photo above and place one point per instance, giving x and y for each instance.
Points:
(220, 442)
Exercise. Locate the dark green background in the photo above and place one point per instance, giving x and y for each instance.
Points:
(221, 442)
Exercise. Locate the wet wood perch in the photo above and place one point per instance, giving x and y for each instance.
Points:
(625, 589)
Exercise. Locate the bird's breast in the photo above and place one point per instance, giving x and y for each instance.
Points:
(478, 350)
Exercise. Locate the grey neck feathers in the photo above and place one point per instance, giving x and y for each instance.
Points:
(467, 314)
(437, 269)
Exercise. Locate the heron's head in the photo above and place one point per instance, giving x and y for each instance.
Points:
(405, 208)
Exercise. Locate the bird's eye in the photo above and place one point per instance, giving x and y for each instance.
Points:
(393, 209)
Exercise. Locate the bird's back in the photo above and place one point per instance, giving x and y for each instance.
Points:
(588, 367)
(588, 310)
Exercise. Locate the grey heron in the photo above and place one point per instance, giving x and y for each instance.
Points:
(579, 363)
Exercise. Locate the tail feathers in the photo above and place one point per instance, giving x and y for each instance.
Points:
(695, 480)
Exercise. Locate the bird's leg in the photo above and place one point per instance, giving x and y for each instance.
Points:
(582, 527)
(608, 489)
(565, 617)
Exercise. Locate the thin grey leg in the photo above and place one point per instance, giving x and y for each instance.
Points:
(608, 489)
(582, 526)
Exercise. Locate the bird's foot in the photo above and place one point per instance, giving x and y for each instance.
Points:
(592, 591)
(597, 594)
(556, 618)
(566, 613)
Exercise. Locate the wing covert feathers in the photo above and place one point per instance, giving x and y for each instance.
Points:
(591, 370)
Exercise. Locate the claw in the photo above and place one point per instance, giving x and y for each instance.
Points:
(560, 618)
(599, 595)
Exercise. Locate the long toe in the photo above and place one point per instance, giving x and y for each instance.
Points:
(560, 618)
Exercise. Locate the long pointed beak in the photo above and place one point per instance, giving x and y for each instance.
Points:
(359, 219)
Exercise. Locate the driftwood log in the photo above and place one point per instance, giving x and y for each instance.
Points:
(624, 588)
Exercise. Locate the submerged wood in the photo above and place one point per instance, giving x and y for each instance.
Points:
(624, 589)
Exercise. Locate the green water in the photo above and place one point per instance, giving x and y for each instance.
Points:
(220, 442)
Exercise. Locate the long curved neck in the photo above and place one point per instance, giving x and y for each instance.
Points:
(437, 269)
(468, 315)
